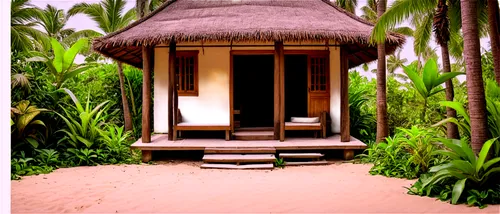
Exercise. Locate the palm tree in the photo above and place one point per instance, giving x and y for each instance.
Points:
(349, 5)
(53, 21)
(493, 22)
(22, 22)
(475, 87)
(442, 17)
(370, 11)
(382, 124)
(394, 62)
(109, 16)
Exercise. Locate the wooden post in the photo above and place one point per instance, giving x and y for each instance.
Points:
(171, 89)
(281, 54)
(147, 69)
(348, 154)
(276, 91)
(176, 106)
(345, 135)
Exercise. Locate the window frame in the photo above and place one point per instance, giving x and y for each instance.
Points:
(188, 53)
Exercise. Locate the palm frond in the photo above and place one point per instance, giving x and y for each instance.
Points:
(399, 11)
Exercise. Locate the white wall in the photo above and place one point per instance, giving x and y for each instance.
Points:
(335, 88)
(211, 106)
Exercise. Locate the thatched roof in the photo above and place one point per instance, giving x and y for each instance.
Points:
(241, 21)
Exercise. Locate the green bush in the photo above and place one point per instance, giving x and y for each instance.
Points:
(464, 172)
(407, 154)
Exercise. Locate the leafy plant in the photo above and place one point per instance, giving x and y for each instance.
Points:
(21, 166)
(84, 156)
(429, 83)
(482, 198)
(464, 167)
(420, 144)
(279, 162)
(464, 125)
(407, 154)
(26, 129)
(61, 65)
(362, 121)
(116, 141)
(85, 129)
(47, 157)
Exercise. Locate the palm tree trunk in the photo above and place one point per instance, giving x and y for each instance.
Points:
(382, 124)
(493, 15)
(141, 8)
(451, 128)
(127, 117)
(475, 87)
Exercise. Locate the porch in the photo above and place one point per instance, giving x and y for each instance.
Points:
(160, 142)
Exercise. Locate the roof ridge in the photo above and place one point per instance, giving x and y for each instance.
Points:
(342, 10)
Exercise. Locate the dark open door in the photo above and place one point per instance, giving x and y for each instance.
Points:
(318, 84)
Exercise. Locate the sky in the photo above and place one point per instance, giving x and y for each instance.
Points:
(81, 22)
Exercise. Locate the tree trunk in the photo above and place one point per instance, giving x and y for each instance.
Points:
(141, 8)
(382, 124)
(493, 22)
(127, 117)
(475, 87)
(451, 128)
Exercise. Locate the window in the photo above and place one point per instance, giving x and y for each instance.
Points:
(186, 72)
(319, 73)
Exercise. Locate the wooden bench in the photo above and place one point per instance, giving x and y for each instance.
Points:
(320, 126)
(187, 126)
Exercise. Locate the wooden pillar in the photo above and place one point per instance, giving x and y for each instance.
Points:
(345, 135)
(171, 89)
(281, 54)
(276, 91)
(147, 70)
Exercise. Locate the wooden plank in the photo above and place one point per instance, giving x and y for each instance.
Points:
(345, 135)
(202, 128)
(233, 166)
(282, 89)
(171, 88)
(253, 133)
(306, 163)
(238, 150)
(276, 92)
(238, 158)
(301, 155)
(147, 70)
(303, 128)
(160, 142)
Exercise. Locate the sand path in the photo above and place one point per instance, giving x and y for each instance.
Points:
(185, 188)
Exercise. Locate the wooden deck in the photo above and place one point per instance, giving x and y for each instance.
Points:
(160, 142)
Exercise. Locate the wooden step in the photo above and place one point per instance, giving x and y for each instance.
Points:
(234, 166)
(237, 150)
(323, 162)
(238, 158)
(253, 135)
(301, 155)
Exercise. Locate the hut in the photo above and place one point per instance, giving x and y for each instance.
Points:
(251, 69)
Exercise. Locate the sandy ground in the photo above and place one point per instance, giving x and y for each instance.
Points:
(185, 188)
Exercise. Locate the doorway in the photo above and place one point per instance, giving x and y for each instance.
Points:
(295, 86)
(253, 89)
